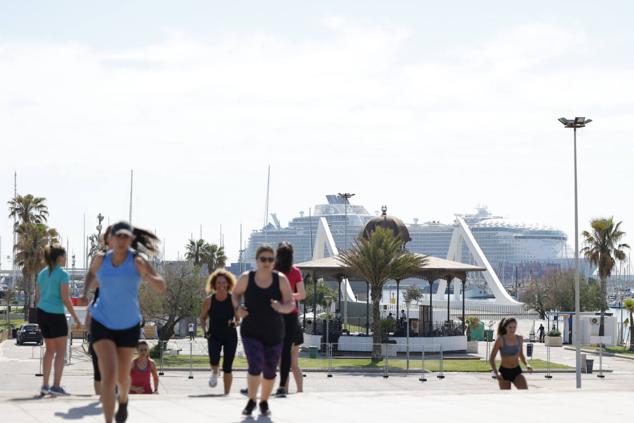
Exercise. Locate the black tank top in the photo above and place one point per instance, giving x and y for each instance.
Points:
(263, 323)
(220, 315)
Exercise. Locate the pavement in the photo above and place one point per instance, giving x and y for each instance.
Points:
(468, 397)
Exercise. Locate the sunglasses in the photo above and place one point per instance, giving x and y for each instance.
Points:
(266, 259)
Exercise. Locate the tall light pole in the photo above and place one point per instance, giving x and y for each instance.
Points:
(577, 122)
(346, 196)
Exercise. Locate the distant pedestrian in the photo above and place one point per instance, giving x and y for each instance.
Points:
(221, 333)
(143, 369)
(259, 299)
(511, 351)
(116, 316)
(541, 332)
(191, 329)
(51, 296)
(293, 334)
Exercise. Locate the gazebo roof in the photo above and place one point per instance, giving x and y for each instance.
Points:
(435, 268)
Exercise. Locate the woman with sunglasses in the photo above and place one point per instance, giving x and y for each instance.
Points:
(142, 368)
(259, 300)
(116, 316)
(293, 335)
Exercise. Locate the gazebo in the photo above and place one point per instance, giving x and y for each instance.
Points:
(434, 269)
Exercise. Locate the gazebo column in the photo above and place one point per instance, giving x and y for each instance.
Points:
(431, 308)
(339, 301)
(367, 308)
(449, 279)
(464, 327)
(312, 274)
(304, 317)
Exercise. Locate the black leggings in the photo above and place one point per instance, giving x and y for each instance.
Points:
(229, 345)
(292, 336)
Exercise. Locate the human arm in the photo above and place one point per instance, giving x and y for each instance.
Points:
(300, 295)
(90, 280)
(65, 293)
(204, 314)
(155, 375)
(149, 275)
(37, 294)
(493, 355)
(236, 297)
(522, 357)
(287, 305)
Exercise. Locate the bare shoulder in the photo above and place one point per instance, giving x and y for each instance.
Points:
(97, 261)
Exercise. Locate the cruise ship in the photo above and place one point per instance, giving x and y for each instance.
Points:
(516, 250)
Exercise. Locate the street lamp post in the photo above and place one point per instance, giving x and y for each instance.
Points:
(577, 122)
(346, 196)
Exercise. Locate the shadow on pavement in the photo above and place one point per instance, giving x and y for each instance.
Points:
(31, 398)
(207, 396)
(258, 419)
(78, 413)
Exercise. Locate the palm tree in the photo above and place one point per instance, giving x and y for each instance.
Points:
(628, 305)
(380, 258)
(214, 257)
(194, 251)
(603, 249)
(33, 238)
(28, 209)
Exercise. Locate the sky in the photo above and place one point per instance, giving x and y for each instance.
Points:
(430, 108)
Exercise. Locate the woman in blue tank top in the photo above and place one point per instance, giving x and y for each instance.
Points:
(116, 316)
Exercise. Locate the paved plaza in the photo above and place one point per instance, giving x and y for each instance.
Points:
(345, 397)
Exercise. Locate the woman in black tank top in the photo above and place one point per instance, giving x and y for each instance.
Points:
(259, 299)
(221, 333)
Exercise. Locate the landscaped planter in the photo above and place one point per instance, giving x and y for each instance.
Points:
(553, 341)
(472, 347)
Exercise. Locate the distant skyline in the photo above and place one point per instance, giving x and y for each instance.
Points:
(430, 109)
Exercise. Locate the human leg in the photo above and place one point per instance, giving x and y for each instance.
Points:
(254, 351)
(107, 358)
(271, 358)
(520, 382)
(214, 347)
(227, 363)
(60, 350)
(297, 371)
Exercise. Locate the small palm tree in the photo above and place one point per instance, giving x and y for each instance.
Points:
(628, 305)
(603, 248)
(214, 257)
(28, 209)
(378, 259)
(33, 238)
(194, 251)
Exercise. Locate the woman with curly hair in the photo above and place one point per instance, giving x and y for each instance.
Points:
(221, 334)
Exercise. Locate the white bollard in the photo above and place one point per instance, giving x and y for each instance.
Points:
(441, 374)
(601, 375)
(422, 376)
(329, 356)
(548, 375)
(161, 348)
(191, 376)
(40, 372)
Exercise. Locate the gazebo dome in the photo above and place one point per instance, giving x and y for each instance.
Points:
(386, 221)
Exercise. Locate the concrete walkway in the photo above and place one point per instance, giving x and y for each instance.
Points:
(472, 397)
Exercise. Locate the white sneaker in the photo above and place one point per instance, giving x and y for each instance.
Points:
(213, 380)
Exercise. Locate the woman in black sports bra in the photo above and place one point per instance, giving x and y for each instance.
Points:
(511, 351)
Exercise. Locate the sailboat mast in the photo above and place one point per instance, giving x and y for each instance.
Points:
(266, 205)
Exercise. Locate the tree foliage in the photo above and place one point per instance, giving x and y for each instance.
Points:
(28, 209)
(413, 294)
(183, 299)
(323, 291)
(556, 291)
(378, 259)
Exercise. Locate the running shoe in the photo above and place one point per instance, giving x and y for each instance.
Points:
(122, 413)
(244, 391)
(213, 380)
(58, 391)
(264, 408)
(45, 390)
(280, 393)
(249, 408)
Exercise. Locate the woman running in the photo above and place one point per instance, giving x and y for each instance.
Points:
(142, 368)
(293, 335)
(511, 350)
(51, 295)
(91, 350)
(116, 316)
(266, 293)
(221, 333)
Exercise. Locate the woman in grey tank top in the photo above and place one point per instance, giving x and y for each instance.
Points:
(510, 346)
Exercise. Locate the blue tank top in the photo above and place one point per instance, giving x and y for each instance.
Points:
(118, 304)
